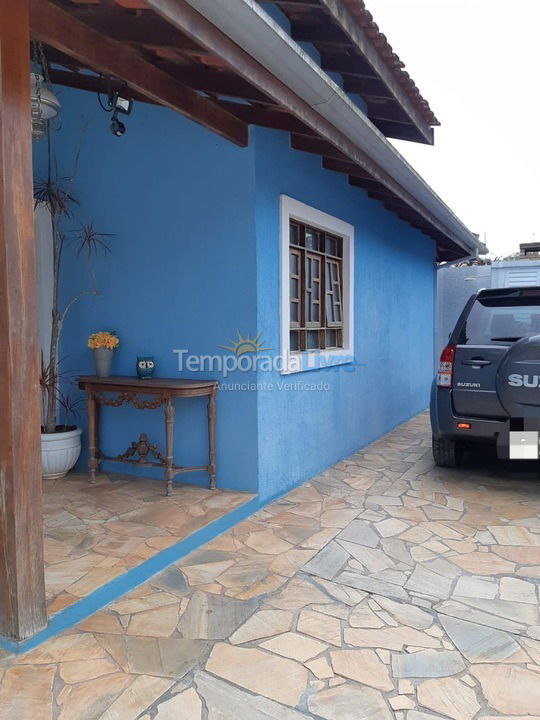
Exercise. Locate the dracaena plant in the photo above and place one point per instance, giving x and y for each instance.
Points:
(54, 191)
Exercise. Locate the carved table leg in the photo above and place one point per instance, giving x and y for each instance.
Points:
(169, 434)
(212, 439)
(93, 461)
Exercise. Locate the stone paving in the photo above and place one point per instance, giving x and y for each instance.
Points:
(383, 589)
(95, 532)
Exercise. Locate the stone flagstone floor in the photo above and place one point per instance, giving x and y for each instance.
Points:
(383, 589)
(95, 532)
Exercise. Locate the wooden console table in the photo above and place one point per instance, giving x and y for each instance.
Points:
(127, 390)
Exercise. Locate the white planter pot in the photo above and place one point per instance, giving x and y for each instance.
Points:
(59, 452)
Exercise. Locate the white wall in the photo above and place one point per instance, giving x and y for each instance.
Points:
(515, 273)
(455, 285)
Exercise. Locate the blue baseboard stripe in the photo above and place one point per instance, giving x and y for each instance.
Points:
(70, 616)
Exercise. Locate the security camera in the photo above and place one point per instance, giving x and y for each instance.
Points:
(116, 104)
(117, 128)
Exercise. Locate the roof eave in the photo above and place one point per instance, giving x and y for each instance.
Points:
(250, 27)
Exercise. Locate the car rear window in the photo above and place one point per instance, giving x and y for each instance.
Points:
(502, 317)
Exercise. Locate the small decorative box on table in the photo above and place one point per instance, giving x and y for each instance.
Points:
(116, 391)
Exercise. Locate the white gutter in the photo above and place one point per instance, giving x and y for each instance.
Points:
(250, 27)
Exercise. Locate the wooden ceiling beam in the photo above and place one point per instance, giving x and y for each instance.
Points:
(396, 130)
(276, 119)
(319, 33)
(92, 83)
(366, 87)
(216, 81)
(53, 26)
(317, 146)
(345, 166)
(370, 185)
(334, 143)
(389, 112)
(293, 4)
(358, 36)
(349, 64)
(145, 28)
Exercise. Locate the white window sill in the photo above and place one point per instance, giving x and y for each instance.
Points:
(316, 360)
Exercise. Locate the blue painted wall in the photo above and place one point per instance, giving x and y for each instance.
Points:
(195, 257)
(301, 432)
(179, 200)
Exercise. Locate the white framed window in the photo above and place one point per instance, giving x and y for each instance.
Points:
(317, 288)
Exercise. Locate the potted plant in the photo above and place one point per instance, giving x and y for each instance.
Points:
(60, 441)
(103, 344)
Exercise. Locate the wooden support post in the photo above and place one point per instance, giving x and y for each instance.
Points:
(212, 438)
(22, 587)
(169, 440)
(92, 411)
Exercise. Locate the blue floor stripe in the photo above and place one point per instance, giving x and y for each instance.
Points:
(131, 579)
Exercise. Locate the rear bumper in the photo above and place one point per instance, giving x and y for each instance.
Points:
(444, 421)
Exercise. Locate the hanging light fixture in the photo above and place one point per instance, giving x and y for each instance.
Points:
(44, 105)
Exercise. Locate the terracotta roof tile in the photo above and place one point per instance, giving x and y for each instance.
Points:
(364, 18)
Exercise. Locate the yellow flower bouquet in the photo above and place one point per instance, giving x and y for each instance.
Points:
(106, 340)
(103, 344)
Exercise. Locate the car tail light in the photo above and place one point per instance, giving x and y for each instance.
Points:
(446, 367)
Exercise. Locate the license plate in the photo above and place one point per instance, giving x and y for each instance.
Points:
(524, 445)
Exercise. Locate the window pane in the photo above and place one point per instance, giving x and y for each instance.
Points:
(294, 233)
(294, 288)
(331, 245)
(315, 313)
(312, 339)
(294, 264)
(312, 239)
(294, 341)
(331, 338)
(328, 277)
(294, 312)
(330, 309)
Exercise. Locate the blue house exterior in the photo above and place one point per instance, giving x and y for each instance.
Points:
(263, 232)
(196, 258)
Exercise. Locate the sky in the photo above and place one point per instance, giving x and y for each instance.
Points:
(477, 63)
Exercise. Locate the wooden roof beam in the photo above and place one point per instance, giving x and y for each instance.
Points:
(371, 185)
(334, 142)
(92, 83)
(358, 36)
(145, 28)
(345, 166)
(348, 64)
(366, 87)
(294, 4)
(57, 28)
(216, 81)
(400, 131)
(274, 118)
(317, 146)
(325, 34)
